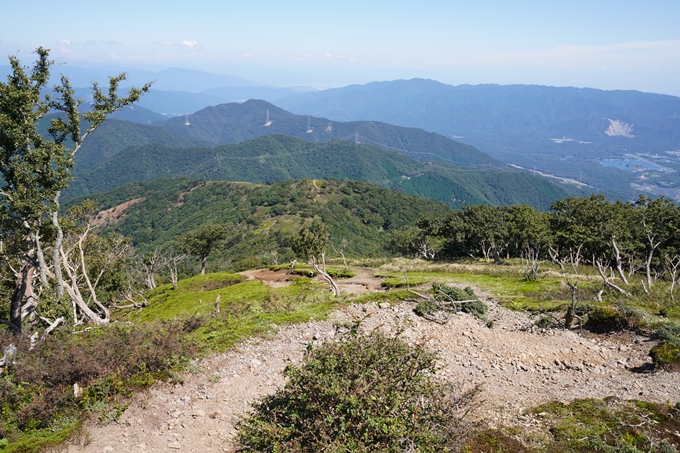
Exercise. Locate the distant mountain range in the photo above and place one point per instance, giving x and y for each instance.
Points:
(234, 123)
(235, 142)
(560, 131)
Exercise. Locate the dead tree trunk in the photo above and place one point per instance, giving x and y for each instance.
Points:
(554, 256)
(322, 271)
(619, 265)
(606, 280)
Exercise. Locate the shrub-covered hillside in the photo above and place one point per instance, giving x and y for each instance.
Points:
(261, 220)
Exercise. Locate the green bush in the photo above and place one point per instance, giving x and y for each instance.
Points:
(445, 293)
(666, 356)
(610, 319)
(368, 394)
(545, 322)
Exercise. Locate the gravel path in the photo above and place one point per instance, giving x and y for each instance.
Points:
(518, 367)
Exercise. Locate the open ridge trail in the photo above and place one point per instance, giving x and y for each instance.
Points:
(517, 365)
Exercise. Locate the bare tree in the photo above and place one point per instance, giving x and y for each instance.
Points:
(341, 251)
(150, 264)
(602, 268)
(572, 311)
(672, 267)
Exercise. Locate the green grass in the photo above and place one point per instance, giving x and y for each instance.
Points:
(247, 308)
(608, 425)
(37, 440)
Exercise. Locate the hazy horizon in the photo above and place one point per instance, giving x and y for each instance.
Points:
(606, 45)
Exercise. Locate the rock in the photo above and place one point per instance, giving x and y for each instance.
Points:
(384, 305)
(255, 363)
(175, 445)
(198, 413)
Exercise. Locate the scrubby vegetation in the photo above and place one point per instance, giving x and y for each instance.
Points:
(366, 394)
(59, 380)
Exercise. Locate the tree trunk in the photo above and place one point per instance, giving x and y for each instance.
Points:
(648, 265)
(23, 290)
(328, 278)
(204, 261)
(59, 240)
(619, 268)
(601, 270)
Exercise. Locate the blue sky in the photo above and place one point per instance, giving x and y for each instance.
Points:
(598, 43)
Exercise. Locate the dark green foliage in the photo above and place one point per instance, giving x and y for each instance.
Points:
(666, 356)
(667, 332)
(278, 158)
(545, 322)
(446, 293)
(426, 307)
(109, 362)
(263, 220)
(611, 319)
(369, 394)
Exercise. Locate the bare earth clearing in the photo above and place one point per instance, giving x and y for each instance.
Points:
(518, 366)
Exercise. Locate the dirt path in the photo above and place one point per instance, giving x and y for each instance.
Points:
(517, 367)
(363, 282)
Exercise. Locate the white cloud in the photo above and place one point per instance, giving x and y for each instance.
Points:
(66, 42)
(94, 42)
(190, 44)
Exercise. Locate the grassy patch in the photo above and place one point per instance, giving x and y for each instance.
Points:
(608, 425)
(37, 440)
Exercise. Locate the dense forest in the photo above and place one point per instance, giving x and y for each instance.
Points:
(260, 221)
(641, 237)
(275, 158)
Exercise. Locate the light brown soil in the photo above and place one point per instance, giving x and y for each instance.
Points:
(517, 365)
(115, 214)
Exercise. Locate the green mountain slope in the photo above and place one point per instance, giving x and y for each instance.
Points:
(234, 123)
(114, 136)
(278, 158)
(262, 219)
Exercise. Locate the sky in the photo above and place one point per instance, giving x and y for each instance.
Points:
(598, 43)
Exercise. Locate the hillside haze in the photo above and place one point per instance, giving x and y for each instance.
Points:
(563, 131)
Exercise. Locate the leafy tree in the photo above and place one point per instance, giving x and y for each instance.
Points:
(35, 168)
(310, 244)
(201, 241)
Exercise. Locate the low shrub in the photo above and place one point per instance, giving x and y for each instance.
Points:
(666, 356)
(445, 293)
(545, 322)
(367, 394)
(37, 385)
(612, 319)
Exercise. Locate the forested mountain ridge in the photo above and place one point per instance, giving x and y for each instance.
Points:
(261, 219)
(278, 157)
(237, 122)
(115, 135)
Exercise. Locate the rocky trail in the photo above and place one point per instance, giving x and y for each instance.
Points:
(518, 366)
